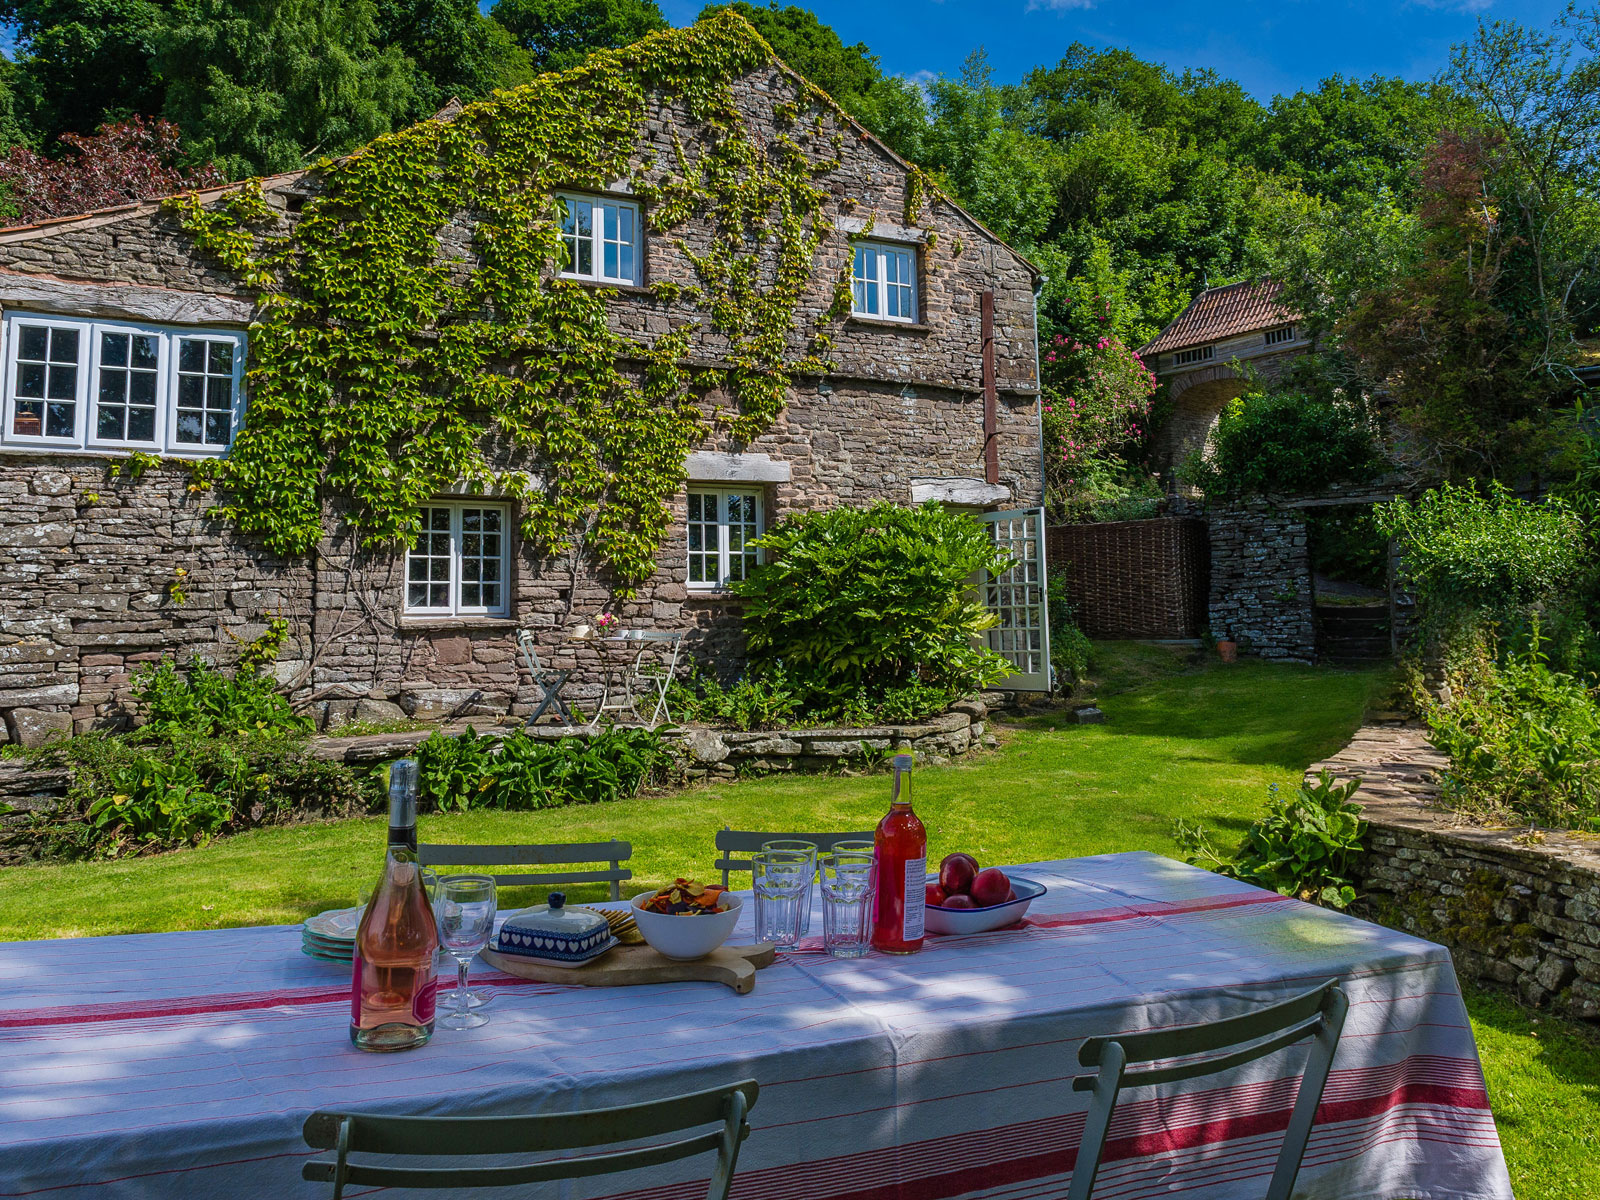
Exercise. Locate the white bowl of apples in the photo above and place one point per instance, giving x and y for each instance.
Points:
(964, 899)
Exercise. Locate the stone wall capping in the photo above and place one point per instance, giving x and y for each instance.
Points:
(714, 466)
(887, 324)
(121, 301)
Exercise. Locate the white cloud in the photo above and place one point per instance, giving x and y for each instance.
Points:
(1069, 5)
(1460, 6)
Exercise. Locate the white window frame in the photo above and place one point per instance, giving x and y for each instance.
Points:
(724, 556)
(1280, 336)
(85, 436)
(879, 285)
(454, 608)
(598, 239)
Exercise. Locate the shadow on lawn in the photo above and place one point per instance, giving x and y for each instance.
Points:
(1569, 1050)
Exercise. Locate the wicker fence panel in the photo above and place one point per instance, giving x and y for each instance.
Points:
(1134, 579)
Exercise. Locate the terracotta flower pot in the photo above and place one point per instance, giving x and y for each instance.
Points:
(1228, 651)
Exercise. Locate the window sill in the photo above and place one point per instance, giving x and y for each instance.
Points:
(423, 624)
(719, 595)
(631, 289)
(882, 323)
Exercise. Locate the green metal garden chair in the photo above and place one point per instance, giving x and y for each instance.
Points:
(748, 841)
(1317, 1014)
(348, 1133)
(561, 854)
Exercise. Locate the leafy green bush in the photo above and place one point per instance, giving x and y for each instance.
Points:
(1285, 442)
(873, 598)
(771, 701)
(1071, 650)
(1487, 550)
(1523, 738)
(218, 754)
(1305, 845)
(519, 772)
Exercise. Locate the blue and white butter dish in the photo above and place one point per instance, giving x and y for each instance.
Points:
(554, 934)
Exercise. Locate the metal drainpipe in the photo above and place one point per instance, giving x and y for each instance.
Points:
(1038, 379)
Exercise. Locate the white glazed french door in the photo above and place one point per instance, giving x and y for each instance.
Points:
(1017, 598)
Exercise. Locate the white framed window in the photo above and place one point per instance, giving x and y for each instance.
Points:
(1284, 333)
(105, 385)
(1198, 354)
(722, 524)
(601, 236)
(884, 282)
(458, 566)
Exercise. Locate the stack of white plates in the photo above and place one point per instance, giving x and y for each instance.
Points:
(331, 936)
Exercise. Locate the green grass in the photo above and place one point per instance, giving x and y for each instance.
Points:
(1184, 737)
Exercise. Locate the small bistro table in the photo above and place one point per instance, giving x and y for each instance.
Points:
(622, 656)
(184, 1064)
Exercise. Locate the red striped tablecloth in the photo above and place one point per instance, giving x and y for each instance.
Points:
(183, 1064)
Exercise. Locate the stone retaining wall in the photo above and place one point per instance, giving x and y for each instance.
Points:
(1515, 906)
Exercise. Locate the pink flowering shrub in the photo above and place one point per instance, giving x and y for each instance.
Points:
(1096, 404)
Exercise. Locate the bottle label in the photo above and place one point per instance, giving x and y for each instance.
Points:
(424, 1003)
(916, 898)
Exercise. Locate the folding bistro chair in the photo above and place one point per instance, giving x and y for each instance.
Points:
(1317, 1014)
(437, 854)
(550, 682)
(348, 1133)
(747, 842)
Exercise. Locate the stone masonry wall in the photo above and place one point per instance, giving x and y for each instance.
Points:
(1516, 907)
(93, 594)
(1261, 580)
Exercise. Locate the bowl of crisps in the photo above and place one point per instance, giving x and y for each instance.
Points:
(686, 920)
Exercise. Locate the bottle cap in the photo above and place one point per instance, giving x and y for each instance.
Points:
(902, 762)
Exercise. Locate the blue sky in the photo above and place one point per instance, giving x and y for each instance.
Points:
(1269, 46)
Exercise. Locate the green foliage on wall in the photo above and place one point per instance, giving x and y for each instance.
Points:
(398, 354)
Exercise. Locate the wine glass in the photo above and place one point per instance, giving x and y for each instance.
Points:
(465, 913)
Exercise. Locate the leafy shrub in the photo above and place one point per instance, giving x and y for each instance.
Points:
(1304, 846)
(1285, 442)
(1070, 648)
(218, 754)
(873, 598)
(768, 702)
(519, 772)
(1523, 739)
(1465, 548)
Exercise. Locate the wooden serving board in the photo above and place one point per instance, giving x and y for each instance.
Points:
(622, 966)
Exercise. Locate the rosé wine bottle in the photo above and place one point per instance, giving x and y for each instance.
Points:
(900, 849)
(392, 985)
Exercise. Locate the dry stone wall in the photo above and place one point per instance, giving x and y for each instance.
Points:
(1261, 580)
(1517, 907)
(89, 560)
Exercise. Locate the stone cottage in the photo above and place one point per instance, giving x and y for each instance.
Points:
(131, 343)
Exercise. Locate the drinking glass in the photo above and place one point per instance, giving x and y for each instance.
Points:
(799, 847)
(465, 913)
(855, 846)
(448, 997)
(782, 886)
(847, 888)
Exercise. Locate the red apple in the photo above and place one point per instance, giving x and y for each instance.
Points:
(1010, 896)
(958, 901)
(956, 873)
(990, 887)
(935, 895)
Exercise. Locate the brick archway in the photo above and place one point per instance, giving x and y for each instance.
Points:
(1196, 400)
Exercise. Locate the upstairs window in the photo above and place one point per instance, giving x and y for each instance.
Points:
(601, 236)
(96, 385)
(1198, 354)
(1276, 337)
(722, 524)
(884, 282)
(458, 565)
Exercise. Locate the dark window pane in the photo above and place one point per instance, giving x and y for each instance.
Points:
(191, 355)
(439, 570)
(60, 420)
(64, 345)
(110, 423)
(439, 595)
(417, 595)
(585, 258)
(30, 380)
(439, 545)
(694, 506)
(113, 349)
(469, 570)
(491, 545)
(221, 358)
(141, 387)
(35, 340)
(417, 568)
(113, 387)
(471, 544)
(471, 518)
(145, 350)
(63, 383)
(491, 595)
(439, 518)
(219, 395)
(191, 391)
(491, 569)
(469, 596)
(29, 419)
(696, 572)
(189, 427)
(219, 426)
(695, 542)
(141, 424)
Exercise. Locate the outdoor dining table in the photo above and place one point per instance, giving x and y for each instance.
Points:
(184, 1064)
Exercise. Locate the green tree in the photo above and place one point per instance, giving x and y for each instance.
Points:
(459, 52)
(846, 73)
(83, 63)
(558, 34)
(266, 85)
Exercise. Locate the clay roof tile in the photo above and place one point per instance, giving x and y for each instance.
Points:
(1224, 312)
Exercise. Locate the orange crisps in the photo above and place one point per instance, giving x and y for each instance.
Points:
(685, 897)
